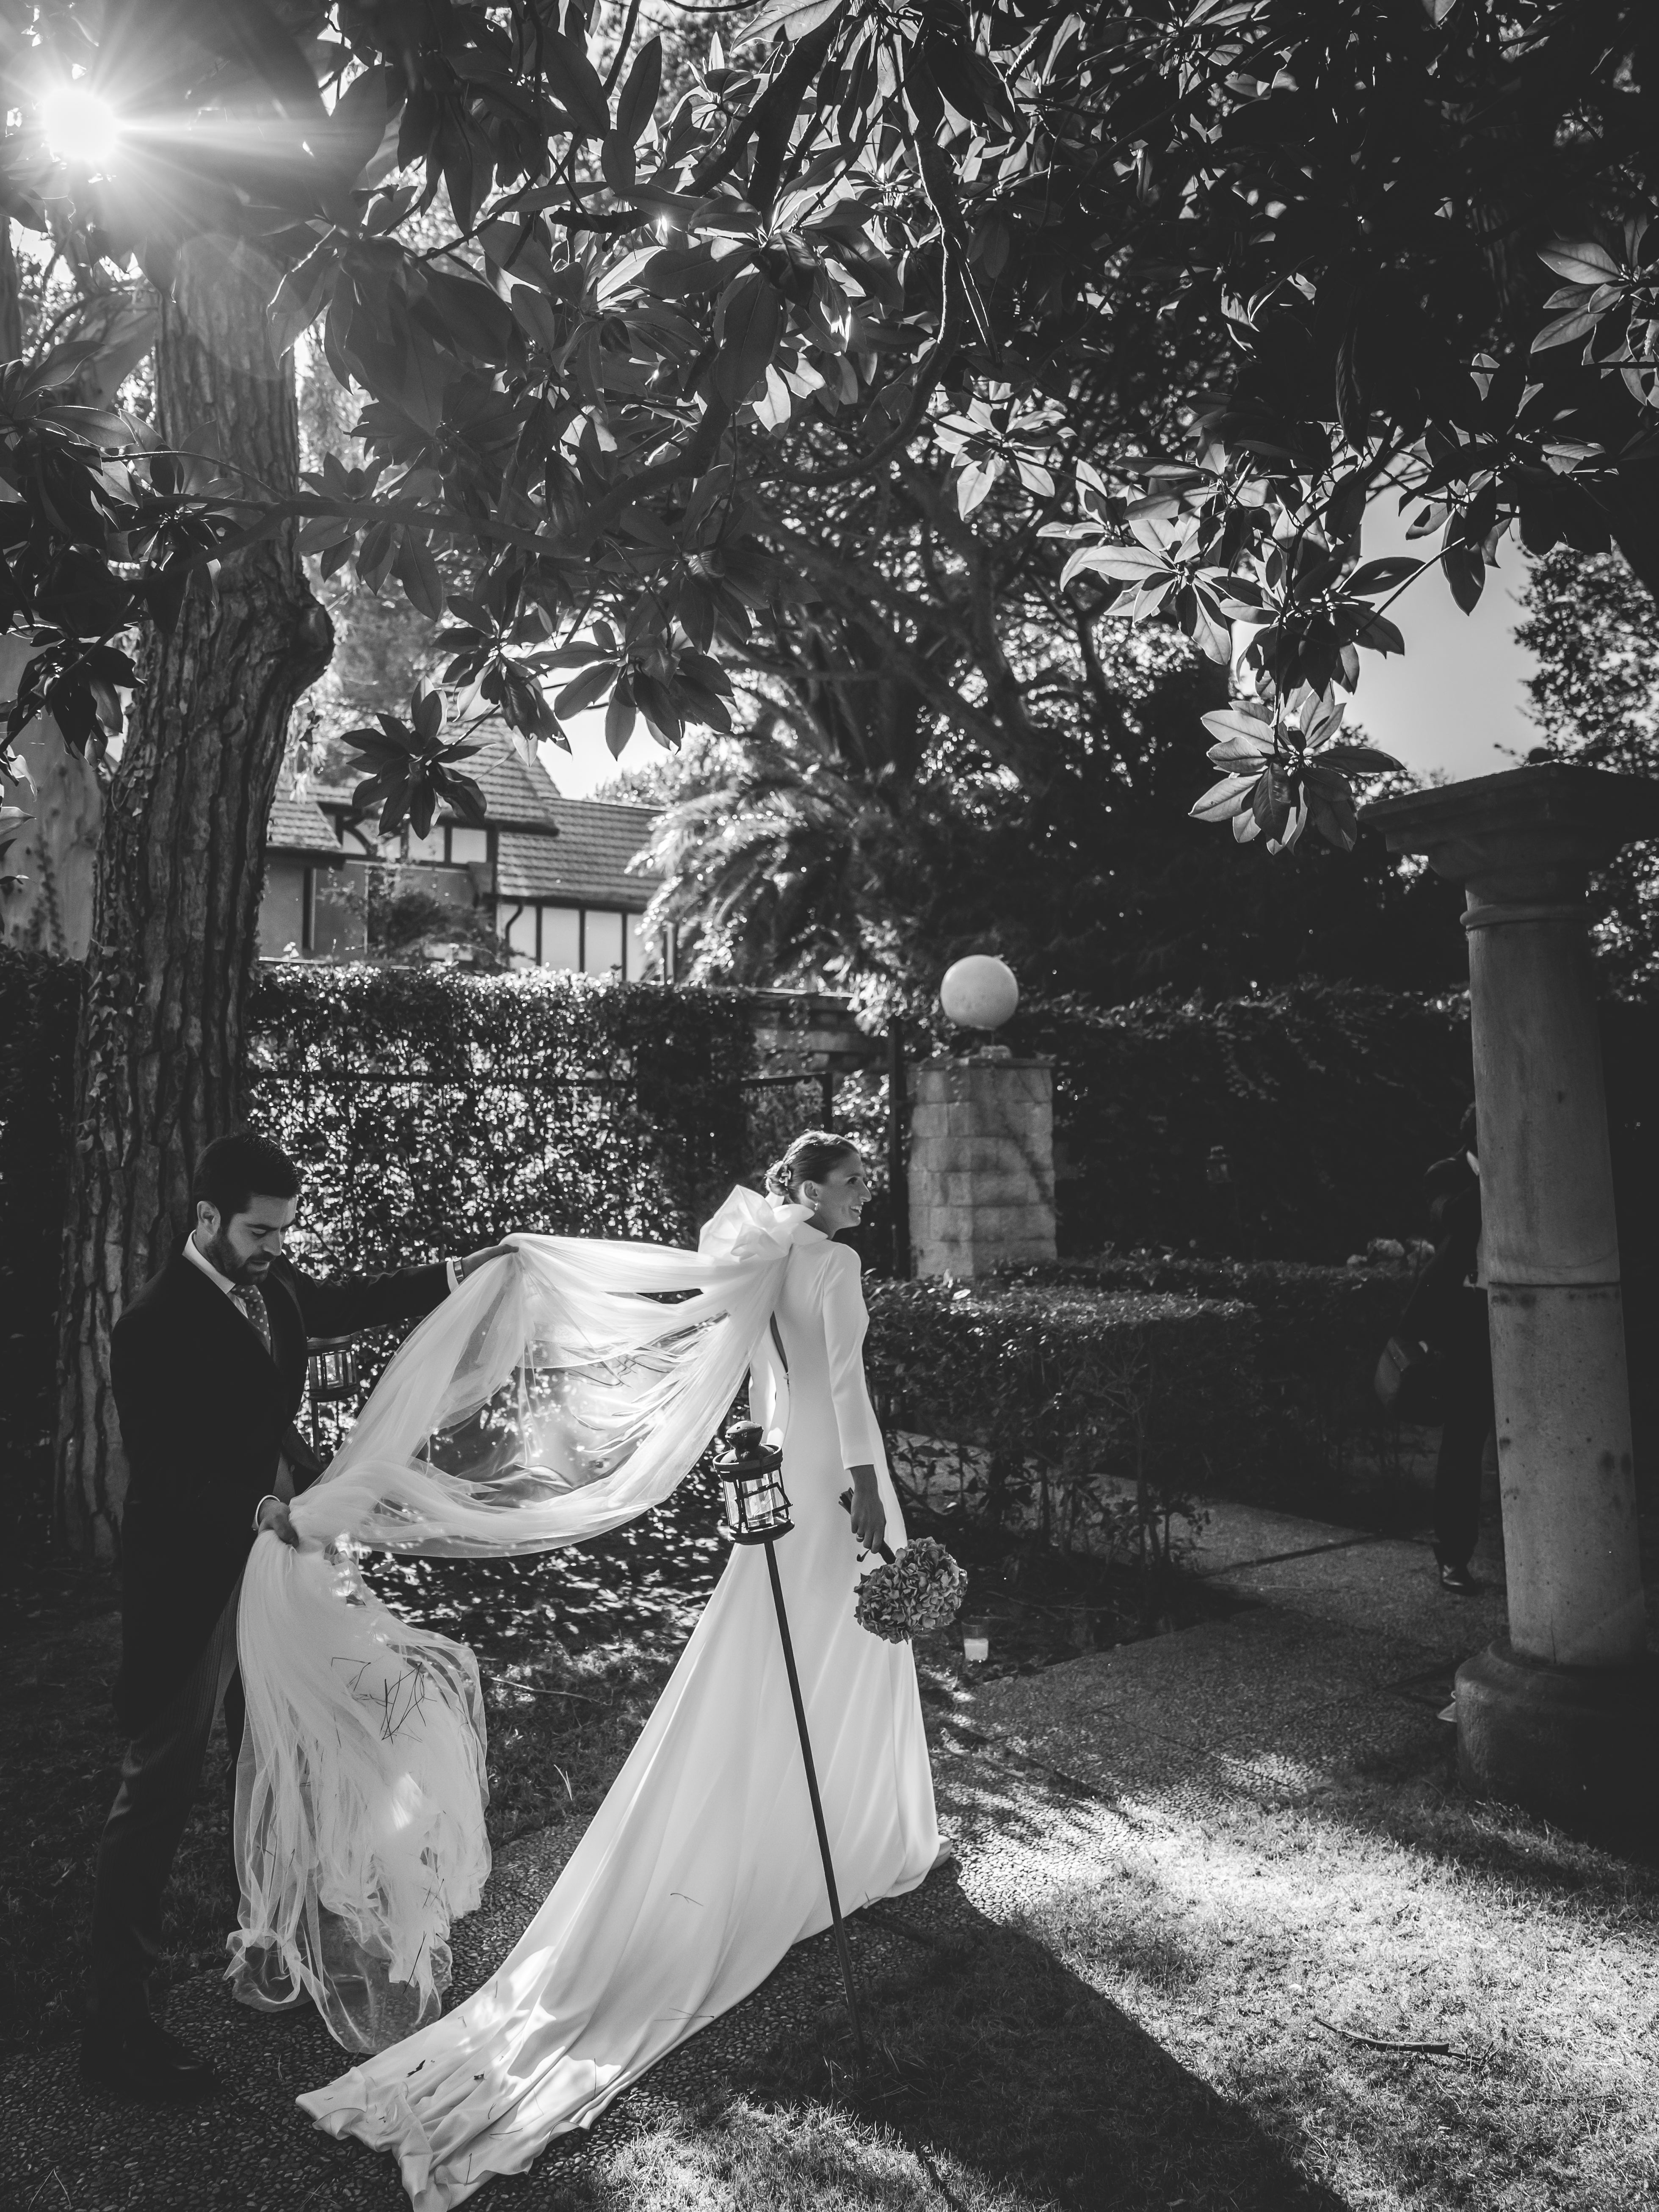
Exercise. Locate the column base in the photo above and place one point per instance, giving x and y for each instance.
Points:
(1577, 1745)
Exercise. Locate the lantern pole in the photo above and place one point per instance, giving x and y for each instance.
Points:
(841, 1944)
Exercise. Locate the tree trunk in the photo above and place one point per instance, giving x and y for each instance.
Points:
(11, 300)
(160, 1064)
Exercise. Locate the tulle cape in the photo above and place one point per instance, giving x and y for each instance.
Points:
(556, 1394)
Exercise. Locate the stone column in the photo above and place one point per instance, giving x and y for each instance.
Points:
(982, 1164)
(1559, 1715)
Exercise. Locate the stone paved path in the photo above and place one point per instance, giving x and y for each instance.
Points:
(1335, 1660)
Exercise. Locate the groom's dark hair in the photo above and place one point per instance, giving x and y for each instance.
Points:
(235, 1169)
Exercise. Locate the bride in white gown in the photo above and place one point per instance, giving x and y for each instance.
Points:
(701, 1869)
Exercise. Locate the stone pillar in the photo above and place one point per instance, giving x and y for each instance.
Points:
(1559, 1715)
(982, 1164)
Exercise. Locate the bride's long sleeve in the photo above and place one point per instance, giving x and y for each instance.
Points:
(845, 1324)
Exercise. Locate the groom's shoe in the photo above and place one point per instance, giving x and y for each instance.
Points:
(139, 2059)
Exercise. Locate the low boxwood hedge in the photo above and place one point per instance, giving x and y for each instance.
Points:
(1066, 1388)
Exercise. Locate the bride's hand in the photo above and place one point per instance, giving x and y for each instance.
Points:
(869, 1514)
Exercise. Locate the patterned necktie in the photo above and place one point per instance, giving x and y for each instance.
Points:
(249, 1300)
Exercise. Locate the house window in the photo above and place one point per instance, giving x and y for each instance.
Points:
(517, 924)
(468, 845)
(561, 937)
(646, 953)
(590, 940)
(602, 942)
(429, 847)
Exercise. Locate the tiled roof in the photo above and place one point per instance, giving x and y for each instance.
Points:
(586, 863)
(517, 792)
(297, 825)
(546, 847)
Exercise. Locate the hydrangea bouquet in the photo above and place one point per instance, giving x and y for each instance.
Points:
(913, 1591)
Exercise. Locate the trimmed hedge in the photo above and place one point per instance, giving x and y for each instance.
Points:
(1062, 1385)
(431, 1111)
(1319, 1332)
(1296, 1126)
(1292, 1126)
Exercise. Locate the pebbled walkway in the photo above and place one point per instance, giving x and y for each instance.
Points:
(1333, 1664)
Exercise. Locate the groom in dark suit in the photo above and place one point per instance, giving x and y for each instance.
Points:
(208, 1364)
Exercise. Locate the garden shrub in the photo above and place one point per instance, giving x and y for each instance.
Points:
(1294, 1126)
(1061, 1387)
(432, 1111)
(1319, 1332)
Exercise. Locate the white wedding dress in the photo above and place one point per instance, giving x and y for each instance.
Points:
(701, 1868)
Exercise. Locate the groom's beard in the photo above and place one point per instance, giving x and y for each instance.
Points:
(241, 1271)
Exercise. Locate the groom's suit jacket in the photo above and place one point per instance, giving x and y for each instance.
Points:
(206, 1415)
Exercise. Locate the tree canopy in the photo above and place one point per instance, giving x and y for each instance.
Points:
(846, 240)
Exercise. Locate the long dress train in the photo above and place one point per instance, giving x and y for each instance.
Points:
(701, 1868)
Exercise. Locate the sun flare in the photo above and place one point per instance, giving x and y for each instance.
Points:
(79, 126)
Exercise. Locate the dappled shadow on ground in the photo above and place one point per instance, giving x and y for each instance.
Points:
(998, 2079)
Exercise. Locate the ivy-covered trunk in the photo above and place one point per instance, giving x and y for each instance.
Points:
(159, 1060)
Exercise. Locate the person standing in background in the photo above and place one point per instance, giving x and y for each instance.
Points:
(1447, 1314)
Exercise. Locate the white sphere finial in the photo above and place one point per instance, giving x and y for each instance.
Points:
(979, 992)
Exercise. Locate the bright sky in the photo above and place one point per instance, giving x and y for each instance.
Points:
(1454, 697)
(588, 763)
(1450, 702)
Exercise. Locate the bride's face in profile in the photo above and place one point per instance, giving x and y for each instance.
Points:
(838, 1198)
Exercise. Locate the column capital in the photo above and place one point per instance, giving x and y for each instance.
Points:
(1523, 842)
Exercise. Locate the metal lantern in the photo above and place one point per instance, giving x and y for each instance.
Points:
(331, 1376)
(332, 1371)
(757, 1508)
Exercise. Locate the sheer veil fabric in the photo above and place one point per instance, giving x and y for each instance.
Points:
(555, 1396)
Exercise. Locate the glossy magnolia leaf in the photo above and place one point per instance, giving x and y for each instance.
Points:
(586, 690)
(576, 82)
(752, 322)
(637, 101)
(1223, 800)
(1236, 722)
(973, 482)
(1236, 749)
(796, 18)
(426, 712)
(417, 572)
(1466, 572)
(1129, 564)
(375, 555)
(1382, 576)
(656, 704)
(1336, 822)
(1381, 636)
(1564, 330)
(620, 717)
(1585, 263)
(1357, 760)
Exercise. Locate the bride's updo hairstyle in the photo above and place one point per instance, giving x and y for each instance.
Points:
(809, 1159)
